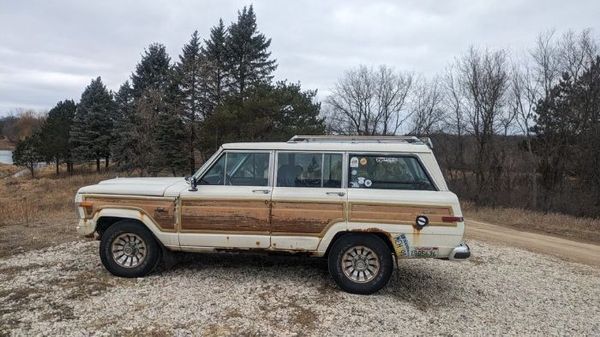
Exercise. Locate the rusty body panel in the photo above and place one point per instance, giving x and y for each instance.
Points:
(160, 210)
(398, 213)
(310, 218)
(231, 216)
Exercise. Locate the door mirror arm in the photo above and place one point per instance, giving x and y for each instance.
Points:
(193, 183)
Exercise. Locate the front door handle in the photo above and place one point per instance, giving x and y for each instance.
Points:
(261, 191)
(339, 194)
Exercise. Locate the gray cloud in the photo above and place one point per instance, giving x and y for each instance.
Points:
(50, 50)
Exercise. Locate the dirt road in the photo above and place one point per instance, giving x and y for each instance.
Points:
(565, 249)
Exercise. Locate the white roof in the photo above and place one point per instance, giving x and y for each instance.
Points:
(332, 146)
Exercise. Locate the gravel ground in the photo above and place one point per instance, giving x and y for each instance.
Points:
(64, 290)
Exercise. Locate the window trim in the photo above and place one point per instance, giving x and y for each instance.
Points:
(390, 154)
(224, 153)
(323, 153)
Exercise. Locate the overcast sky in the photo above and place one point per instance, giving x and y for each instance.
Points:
(50, 50)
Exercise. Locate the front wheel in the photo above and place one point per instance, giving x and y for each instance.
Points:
(360, 263)
(128, 249)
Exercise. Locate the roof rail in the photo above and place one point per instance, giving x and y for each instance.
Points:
(361, 139)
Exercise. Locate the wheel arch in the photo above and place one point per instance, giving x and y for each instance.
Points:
(383, 235)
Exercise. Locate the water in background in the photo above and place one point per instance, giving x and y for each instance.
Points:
(6, 157)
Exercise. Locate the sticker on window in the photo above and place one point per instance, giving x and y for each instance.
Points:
(354, 172)
(368, 183)
(361, 180)
(363, 161)
(354, 162)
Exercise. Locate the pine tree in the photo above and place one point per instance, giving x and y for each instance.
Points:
(54, 134)
(27, 153)
(172, 135)
(91, 133)
(149, 84)
(214, 55)
(124, 141)
(188, 75)
(248, 58)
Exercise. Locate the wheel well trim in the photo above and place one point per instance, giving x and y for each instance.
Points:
(165, 238)
(340, 229)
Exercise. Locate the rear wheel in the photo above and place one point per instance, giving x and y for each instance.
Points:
(128, 249)
(360, 263)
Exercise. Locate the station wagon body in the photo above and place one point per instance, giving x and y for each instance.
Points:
(301, 196)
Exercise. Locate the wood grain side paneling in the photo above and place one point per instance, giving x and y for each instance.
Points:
(304, 218)
(230, 216)
(162, 212)
(391, 213)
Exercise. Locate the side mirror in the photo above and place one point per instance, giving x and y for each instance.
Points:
(193, 184)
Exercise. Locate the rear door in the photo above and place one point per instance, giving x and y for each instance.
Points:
(308, 197)
(231, 206)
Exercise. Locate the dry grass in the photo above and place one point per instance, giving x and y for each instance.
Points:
(8, 170)
(561, 225)
(38, 213)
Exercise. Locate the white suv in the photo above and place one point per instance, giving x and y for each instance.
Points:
(361, 202)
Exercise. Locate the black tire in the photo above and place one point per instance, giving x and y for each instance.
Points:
(378, 279)
(120, 231)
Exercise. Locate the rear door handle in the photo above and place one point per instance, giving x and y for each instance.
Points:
(339, 194)
(261, 191)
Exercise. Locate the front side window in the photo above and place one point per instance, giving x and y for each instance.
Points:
(387, 172)
(309, 170)
(239, 169)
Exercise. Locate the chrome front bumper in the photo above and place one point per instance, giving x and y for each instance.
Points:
(460, 252)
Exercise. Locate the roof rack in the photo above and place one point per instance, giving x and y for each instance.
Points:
(361, 139)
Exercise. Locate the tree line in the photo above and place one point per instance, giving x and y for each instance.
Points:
(513, 129)
(171, 114)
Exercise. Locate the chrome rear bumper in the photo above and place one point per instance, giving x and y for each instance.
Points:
(460, 252)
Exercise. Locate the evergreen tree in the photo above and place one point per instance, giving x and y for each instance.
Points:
(54, 134)
(270, 113)
(188, 74)
(124, 140)
(91, 133)
(153, 71)
(150, 82)
(214, 55)
(27, 153)
(172, 135)
(248, 58)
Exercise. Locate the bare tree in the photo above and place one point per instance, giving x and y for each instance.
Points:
(427, 107)
(369, 102)
(483, 80)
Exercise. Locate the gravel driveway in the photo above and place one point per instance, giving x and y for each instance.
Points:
(65, 291)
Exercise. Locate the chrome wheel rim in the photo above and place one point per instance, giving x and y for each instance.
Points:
(129, 250)
(360, 264)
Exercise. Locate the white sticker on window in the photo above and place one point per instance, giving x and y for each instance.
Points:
(354, 162)
(361, 180)
(368, 183)
(354, 172)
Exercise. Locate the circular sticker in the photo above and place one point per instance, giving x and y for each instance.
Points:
(363, 161)
(368, 183)
(354, 172)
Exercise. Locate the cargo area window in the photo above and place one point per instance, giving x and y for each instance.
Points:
(387, 172)
(309, 170)
(239, 169)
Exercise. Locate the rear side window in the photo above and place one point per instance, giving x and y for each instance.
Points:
(387, 172)
(296, 169)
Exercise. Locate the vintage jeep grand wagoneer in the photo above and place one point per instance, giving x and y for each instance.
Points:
(361, 202)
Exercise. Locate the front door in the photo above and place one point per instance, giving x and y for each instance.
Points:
(231, 207)
(308, 198)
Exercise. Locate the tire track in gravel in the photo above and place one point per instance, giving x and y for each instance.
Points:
(565, 249)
